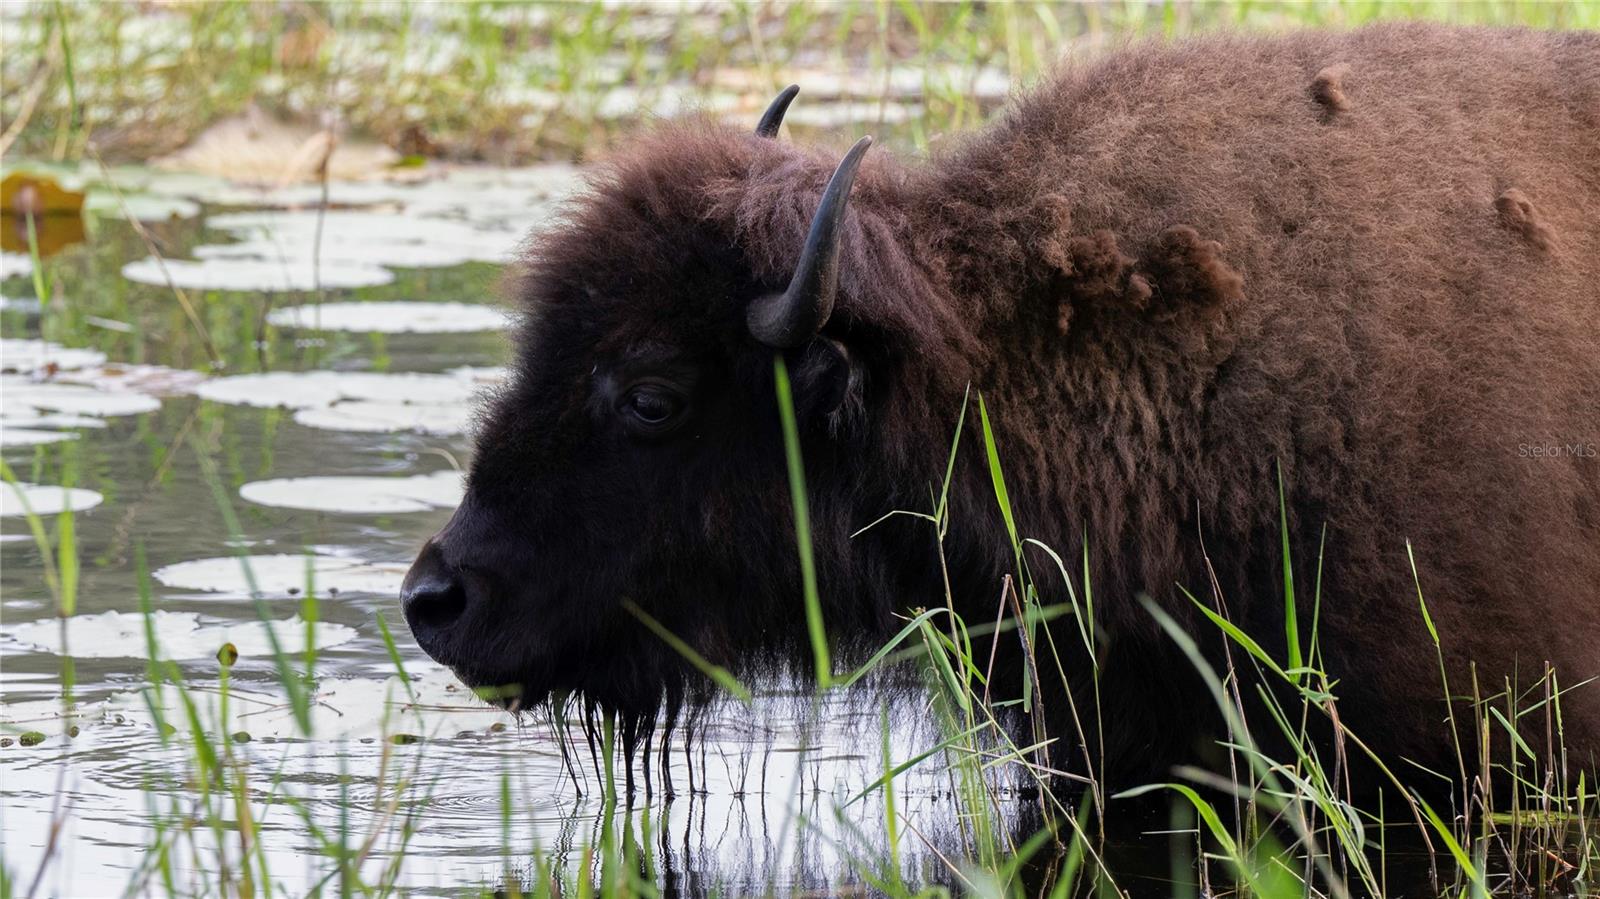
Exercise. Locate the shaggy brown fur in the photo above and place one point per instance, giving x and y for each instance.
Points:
(1369, 259)
(1384, 312)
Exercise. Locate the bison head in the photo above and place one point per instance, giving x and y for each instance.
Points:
(635, 454)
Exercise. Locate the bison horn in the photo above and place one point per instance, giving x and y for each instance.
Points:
(773, 117)
(791, 318)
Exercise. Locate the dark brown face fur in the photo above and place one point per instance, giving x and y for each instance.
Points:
(635, 454)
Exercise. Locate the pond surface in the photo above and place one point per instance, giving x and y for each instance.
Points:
(247, 395)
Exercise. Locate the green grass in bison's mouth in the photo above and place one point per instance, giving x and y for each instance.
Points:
(501, 692)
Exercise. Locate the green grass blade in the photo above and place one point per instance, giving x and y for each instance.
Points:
(1456, 850)
(67, 561)
(802, 526)
(950, 462)
(1245, 641)
(394, 654)
(936, 648)
(997, 477)
(883, 652)
(1427, 619)
(1291, 623)
(1512, 731)
(1072, 597)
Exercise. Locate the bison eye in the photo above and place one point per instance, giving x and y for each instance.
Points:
(651, 406)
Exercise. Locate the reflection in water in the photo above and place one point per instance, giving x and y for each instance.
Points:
(774, 805)
(38, 202)
(54, 233)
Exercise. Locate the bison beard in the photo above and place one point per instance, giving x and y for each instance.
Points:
(1366, 261)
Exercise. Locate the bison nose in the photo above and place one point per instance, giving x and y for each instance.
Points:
(433, 598)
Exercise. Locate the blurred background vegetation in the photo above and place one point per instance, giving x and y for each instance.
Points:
(519, 82)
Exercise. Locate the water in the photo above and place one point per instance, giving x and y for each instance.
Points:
(415, 789)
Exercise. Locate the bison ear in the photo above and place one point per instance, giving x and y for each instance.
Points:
(773, 117)
(792, 318)
(826, 378)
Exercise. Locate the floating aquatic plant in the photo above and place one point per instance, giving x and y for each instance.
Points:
(360, 495)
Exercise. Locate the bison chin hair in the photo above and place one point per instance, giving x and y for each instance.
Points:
(625, 671)
(654, 694)
(643, 697)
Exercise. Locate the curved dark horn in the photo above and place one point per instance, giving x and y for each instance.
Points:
(773, 117)
(791, 318)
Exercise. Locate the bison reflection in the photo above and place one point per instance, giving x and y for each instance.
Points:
(1171, 275)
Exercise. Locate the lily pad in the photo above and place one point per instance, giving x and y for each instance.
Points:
(179, 636)
(480, 375)
(498, 200)
(10, 436)
(364, 495)
(313, 389)
(396, 255)
(28, 305)
(44, 499)
(20, 356)
(270, 275)
(39, 194)
(513, 199)
(156, 182)
(382, 417)
(151, 380)
(371, 237)
(341, 195)
(32, 418)
(392, 317)
(15, 265)
(22, 398)
(359, 401)
(143, 207)
(284, 574)
(546, 181)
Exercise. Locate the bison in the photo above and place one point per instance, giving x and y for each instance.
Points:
(1364, 266)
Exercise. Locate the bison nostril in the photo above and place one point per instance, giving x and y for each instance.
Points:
(434, 603)
(433, 598)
